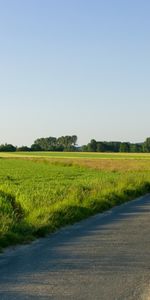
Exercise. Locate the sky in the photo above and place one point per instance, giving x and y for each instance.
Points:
(74, 67)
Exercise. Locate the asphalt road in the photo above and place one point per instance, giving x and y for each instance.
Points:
(104, 257)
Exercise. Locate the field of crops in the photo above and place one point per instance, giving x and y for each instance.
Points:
(79, 155)
(41, 194)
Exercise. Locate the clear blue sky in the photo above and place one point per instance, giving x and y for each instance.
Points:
(74, 67)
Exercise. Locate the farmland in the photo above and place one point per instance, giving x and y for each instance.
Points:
(43, 191)
(77, 155)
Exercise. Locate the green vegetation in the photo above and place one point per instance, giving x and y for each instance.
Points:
(96, 146)
(75, 155)
(38, 196)
(69, 143)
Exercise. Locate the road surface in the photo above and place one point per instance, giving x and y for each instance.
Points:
(104, 257)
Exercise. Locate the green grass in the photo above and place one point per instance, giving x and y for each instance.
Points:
(38, 197)
(77, 155)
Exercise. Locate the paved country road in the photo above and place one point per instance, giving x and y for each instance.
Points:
(104, 257)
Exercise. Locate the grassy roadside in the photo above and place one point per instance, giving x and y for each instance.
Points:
(38, 197)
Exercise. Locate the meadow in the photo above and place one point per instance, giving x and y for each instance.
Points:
(79, 155)
(41, 192)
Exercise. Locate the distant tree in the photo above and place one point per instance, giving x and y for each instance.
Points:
(46, 144)
(84, 148)
(68, 142)
(133, 148)
(59, 148)
(24, 148)
(136, 148)
(124, 147)
(63, 143)
(100, 147)
(7, 148)
(140, 147)
(92, 146)
(146, 145)
(114, 146)
(36, 147)
(74, 139)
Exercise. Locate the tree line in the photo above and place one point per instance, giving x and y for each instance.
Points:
(63, 143)
(69, 143)
(96, 146)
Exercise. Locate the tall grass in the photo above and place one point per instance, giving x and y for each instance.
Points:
(38, 197)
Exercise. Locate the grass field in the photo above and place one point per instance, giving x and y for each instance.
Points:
(39, 194)
(79, 155)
